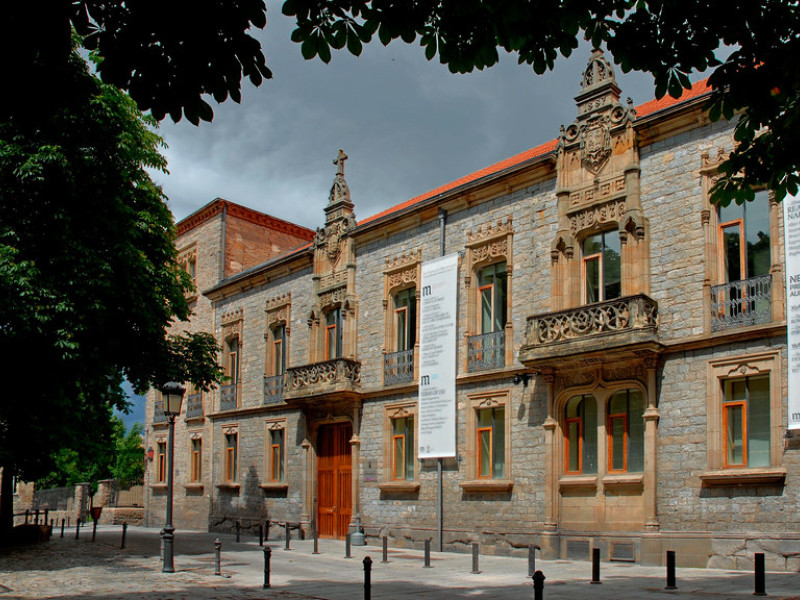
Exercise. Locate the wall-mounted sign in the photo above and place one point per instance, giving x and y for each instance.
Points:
(791, 231)
(437, 353)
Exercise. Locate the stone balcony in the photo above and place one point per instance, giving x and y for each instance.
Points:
(337, 376)
(614, 326)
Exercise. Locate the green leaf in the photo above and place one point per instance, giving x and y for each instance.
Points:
(309, 47)
(354, 44)
(324, 50)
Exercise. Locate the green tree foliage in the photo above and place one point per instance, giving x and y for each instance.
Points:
(671, 39)
(128, 466)
(110, 452)
(88, 274)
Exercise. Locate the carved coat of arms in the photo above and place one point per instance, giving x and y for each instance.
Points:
(596, 146)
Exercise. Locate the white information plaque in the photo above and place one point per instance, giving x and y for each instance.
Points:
(791, 230)
(437, 353)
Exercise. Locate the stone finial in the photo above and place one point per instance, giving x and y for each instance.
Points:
(598, 71)
(339, 190)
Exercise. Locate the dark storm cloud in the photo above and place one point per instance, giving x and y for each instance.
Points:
(407, 124)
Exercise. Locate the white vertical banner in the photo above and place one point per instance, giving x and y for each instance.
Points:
(437, 352)
(791, 231)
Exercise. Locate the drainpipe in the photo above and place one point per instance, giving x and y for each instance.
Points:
(439, 500)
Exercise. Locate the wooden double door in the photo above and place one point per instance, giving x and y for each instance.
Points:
(334, 479)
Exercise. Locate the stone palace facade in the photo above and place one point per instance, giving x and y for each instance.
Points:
(621, 356)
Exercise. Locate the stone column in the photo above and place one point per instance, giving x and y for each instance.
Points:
(308, 483)
(355, 476)
(81, 503)
(551, 462)
(651, 417)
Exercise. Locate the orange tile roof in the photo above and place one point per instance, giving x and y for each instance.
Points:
(643, 110)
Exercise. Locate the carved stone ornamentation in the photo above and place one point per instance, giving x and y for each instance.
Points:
(595, 145)
(490, 251)
(328, 372)
(633, 312)
(597, 215)
(402, 278)
(333, 297)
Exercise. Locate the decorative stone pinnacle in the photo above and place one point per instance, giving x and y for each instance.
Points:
(339, 190)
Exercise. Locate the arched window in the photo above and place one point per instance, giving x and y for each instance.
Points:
(580, 435)
(625, 431)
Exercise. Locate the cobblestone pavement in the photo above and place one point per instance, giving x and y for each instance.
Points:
(70, 569)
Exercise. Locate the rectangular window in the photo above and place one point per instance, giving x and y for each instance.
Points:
(492, 297)
(744, 239)
(233, 360)
(403, 448)
(405, 319)
(161, 464)
(231, 458)
(491, 443)
(276, 454)
(279, 349)
(196, 470)
(745, 422)
(602, 275)
(333, 334)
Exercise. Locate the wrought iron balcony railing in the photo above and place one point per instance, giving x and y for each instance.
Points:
(194, 406)
(486, 351)
(741, 303)
(339, 374)
(228, 397)
(633, 318)
(398, 367)
(158, 413)
(273, 389)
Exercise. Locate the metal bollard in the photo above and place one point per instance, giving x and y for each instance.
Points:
(428, 553)
(46, 514)
(52, 524)
(761, 583)
(124, 533)
(531, 560)
(385, 550)
(267, 558)
(94, 529)
(77, 529)
(260, 534)
(288, 536)
(316, 540)
(217, 553)
(27, 515)
(596, 565)
(238, 531)
(476, 549)
(347, 546)
(62, 527)
(671, 571)
(367, 578)
(36, 516)
(538, 585)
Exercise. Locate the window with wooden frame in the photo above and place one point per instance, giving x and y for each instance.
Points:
(492, 297)
(400, 449)
(232, 359)
(333, 333)
(277, 453)
(403, 448)
(491, 438)
(161, 462)
(744, 239)
(279, 349)
(745, 424)
(195, 460)
(625, 432)
(231, 456)
(601, 267)
(405, 319)
(580, 435)
(488, 442)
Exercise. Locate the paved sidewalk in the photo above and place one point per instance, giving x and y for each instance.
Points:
(69, 569)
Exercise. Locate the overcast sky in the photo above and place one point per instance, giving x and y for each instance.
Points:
(408, 126)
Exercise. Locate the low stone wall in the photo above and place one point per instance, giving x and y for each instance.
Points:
(132, 515)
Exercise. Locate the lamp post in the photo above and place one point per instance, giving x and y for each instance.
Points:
(172, 396)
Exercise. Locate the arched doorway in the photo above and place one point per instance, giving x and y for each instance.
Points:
(334, 473)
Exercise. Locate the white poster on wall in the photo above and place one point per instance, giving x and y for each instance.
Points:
(437, 354)
(791, 230)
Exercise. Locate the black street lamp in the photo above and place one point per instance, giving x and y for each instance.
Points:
(172, 396)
